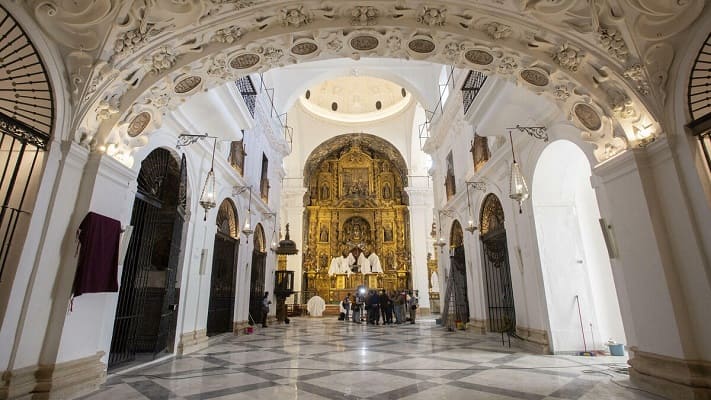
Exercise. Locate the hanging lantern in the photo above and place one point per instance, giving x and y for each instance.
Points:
(207, 197)
(518, 190)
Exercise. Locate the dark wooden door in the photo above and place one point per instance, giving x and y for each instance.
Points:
(220, 310)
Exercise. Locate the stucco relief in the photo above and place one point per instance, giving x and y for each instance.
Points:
(193, 31)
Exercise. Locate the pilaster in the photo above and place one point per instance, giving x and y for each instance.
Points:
(658, 272)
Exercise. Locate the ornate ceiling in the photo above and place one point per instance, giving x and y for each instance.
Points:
(355, 98)
(605, 63)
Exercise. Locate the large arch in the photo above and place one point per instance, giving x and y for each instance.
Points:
(580, 61)
(576, 270)
(223, 284)
(257, 276)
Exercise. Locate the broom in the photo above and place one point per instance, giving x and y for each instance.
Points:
(585, 352)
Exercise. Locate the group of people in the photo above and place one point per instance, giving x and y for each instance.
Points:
(380, 307)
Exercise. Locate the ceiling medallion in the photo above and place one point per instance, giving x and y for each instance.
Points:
(479, 57)
(138, 124)
(364, 42)
(304, 48)
(422, 46)
(243, 61)
(587, 116)
(187, 84)
(534, 77)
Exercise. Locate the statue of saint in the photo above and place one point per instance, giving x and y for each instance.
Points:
(386, 191)
(323, 236)
(388, 233)
(325, 192)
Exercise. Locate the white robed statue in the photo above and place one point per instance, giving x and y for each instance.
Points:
(339, 265)
(364, 264)
(434, 281)
(374, 261)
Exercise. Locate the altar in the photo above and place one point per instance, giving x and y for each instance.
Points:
(356, 231)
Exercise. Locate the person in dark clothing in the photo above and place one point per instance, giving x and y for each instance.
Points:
(389, 308)
(383, 303)
(371, 303)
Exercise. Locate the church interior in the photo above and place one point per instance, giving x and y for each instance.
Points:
(192, 188)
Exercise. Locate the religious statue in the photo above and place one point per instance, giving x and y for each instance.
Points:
(386, 191)
(325, 192)
(323, 236)
(434, 282)
(388, 233)
(356, 233)
(322, 261)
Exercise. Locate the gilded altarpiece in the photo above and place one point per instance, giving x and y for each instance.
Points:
(356, 204)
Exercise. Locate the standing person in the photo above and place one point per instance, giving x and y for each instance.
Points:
(398, 308)
(412, 305)
(265, 308)
(384, 306)
(357, 307)
(347, 306)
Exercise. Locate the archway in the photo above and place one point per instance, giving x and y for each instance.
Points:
(577, 276)
(458, 272)
(147, 302)
(501, 313)
(257, 276)
(220, 311)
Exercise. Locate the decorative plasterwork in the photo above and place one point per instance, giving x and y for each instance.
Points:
(611, 56)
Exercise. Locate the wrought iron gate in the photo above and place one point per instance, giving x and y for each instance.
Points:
(497, 280)
(26, 121)
(222, 287)
(145, 313)
(459, 274)
(256, 288)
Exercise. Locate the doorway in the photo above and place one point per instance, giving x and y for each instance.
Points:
(497, 269)
(148, 299)
(220, 311)
(257, 277)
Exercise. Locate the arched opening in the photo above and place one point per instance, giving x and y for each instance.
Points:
(27, 120)
(147, 302)
(356, 218)
(458, 272)
(257, 276)
(220, 311)
(501, 314)
(583, 310)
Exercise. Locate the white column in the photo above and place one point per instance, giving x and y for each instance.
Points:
(421, 202)
(292, 207)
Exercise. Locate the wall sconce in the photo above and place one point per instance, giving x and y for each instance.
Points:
(471, 225)
(441, 242)
(518, 190)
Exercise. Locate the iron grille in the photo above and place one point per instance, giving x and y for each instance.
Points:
(700, 83)
(26, 123)
(248, 92)
(470, 89)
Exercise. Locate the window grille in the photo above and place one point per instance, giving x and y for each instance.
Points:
(470, 89)
(248, 92)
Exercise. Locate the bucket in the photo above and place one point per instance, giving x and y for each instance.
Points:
(461, 325)
(248, 330)
(617, 349)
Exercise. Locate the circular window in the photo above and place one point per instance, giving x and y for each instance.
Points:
(308, 94)
(378, 105)
(403, 92)
(334, 106)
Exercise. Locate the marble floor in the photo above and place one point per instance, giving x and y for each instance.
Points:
(329, 359)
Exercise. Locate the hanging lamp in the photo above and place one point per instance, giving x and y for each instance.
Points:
(207, 197)
(518, 190)
(247, 229)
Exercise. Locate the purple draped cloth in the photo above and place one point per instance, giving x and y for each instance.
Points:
(97, 271)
